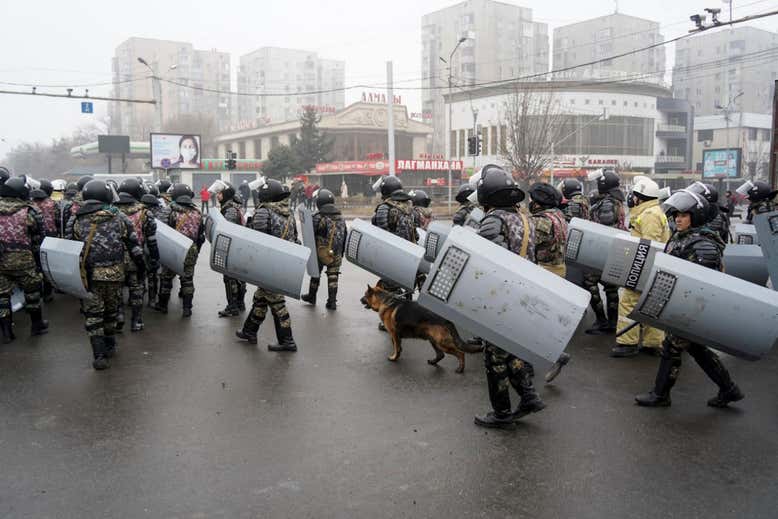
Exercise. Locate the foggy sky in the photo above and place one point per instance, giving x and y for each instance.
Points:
(72, 42)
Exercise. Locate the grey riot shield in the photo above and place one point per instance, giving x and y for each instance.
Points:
(61, 264)
(259, 259)
(629, 260)
(746, 262)
(436, 236)
(309, 240)
(503, 298)
(17, 300)
(384, 254)
(173, 247)
(767, 229)
(709, 307)
(474, 218)
(745, 234)
(589, 243)
(214, 217)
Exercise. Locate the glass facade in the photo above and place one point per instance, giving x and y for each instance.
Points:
(614, 136)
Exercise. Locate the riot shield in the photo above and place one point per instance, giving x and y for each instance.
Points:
(745, 234)
(61, 264)
(767, 229)
(259, 259)
(474, 218)
(709, 307)
(503, 298)
(589, 243)
(384, 254)
(436, 236)
(214, 217)
(309, 240)
(173, 247)
(746, 262)
(629, 261)
(17, 300)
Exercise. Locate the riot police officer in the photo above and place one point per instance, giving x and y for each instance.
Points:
(761, 198)
(647, 221)
(4, 174)
(693, 242)
(422, 214)
(184, 217)
(394, 213)
(50, 216)
(607, 210)
(465, 206)
(330, 230)
(718, 217)
(143, 223)
(576, 205)
(72, 205)
(107, 234)
(21, 233)
(232, 210)
(164, 185)
(505, 225)
(273, 217)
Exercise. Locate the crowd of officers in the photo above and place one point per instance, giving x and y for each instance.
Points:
(117, 224)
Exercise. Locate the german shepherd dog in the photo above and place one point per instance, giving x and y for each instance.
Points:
(405, 319)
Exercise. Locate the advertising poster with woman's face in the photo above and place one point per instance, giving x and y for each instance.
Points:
(175, 151)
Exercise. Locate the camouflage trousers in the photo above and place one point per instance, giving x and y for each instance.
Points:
(29, 280)
(264, 299)
(166, 276)
(333, 273)
(591, 283)
(137, 288)
(234, 289)
(504, 369)
(101, 308)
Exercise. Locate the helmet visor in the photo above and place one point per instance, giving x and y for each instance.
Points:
(682, 202)
(745, 188)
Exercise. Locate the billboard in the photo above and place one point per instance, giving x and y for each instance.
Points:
(113, 144)
(721, 163)
(175, 151)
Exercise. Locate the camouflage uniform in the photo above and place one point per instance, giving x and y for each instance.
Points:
(607, 210)
(50, 216)
(422, 216)
(550, 239)
(112, 235)
(68, 209)
(234, 288)
(760, 207)
(21, 233)
(328, 225)
(145, 228)
(275, 219)
(720, 224)
(460, 217)
(577, 206)
(187, 220)
(507, 228)
(395, 214)
(157, 212)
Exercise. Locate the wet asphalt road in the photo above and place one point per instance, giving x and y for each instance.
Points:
(189, 422)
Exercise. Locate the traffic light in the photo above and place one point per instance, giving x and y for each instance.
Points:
(472, 145)
(478, 146)
(231, 163)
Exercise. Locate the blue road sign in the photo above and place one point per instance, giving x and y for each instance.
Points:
(86, 107)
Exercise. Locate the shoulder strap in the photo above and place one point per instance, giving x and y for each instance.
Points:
(286, 227)
(332, 234)
(90, 237)
(525, 238)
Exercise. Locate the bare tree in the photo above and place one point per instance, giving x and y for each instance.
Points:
(534, 122)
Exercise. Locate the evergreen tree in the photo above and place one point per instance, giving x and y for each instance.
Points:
(281, 163)
(312, 146)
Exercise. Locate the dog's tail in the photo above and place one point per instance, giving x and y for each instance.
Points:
(463, 345)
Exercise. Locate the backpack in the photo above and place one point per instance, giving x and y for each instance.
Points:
(138, 219)
(188, 223)
(13, 231)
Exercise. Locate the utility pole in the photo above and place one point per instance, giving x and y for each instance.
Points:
(447, 140)
(772, 175)
(390, 118)
(475, 135)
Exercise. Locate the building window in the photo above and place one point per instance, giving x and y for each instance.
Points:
(258, 148)
(273, 142)
(752, 132)
(452, 145)
(586, 102)
(704, 135)
(485, 140)
(503, 137)
(461, 143)
(613, 102)
(493, 142)
(242, 150)
(601, 102)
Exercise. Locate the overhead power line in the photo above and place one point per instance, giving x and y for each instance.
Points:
(87, 97)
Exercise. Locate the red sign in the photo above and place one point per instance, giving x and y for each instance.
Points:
(431, 156)
(428, 165)
(374, 156)
(325, 109)
(422, 115)
(358, 167)
(379, 98)
(602, 162)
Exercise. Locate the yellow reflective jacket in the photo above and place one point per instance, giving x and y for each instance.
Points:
(647, 221)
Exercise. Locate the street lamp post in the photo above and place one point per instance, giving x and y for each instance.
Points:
(447, 140)
(156, 87)
(727, 111)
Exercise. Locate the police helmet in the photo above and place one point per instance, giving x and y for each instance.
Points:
(151, 189)
(97, 191)
(270, 191)
(46, 186)
(324, 197)
(4, 174)
(389, 184)
(83, 181)
(545, 195)
(496, 188)
(71, 189)
(420, 198)
(463, 192)
(760, 191)
(221, 186)
(285, 193)
(15, 187)
(607, 181)
(181, 194)
(133, 188)
(149, 200)
(686, 201)
(164, 185)
(571, 187)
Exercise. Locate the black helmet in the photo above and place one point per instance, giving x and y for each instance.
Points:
(83, 181)
(228, 193)
(390, 184)
(711, 195)
(15, 187)
(463, 192)
(71, 189)
(496, 188)
(285, 193)
(571, 186)
(760, 191)
(46, 186)
(133, 188)
(686, 201)
(545, 194)
(149, 200)
(163, 185)
(4, 174)
(181, 194)
(324, 197)
(607, 181)
(97, 190)
(271, 191)
(151, 189)
(420, 198)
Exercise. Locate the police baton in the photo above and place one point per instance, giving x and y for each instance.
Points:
(625, 330)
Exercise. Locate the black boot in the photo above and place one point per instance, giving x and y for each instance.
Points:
(229, 311)
(624, 350)
(136, 321)
(556, 369)
(110, 346)
(39, 326)
(241, 299)
(530, 400)
(612, 309)
(161, 304)
(712, 366)
(284, 336)
(100, 361)
(600, 326)
(665, 379)
(187, 309)
(332, 296)
(493, 420)
(249, 331)
(120, 319)
(7, 327)
(313, 288)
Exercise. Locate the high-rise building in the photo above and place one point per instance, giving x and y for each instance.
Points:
(178, 62)
(734, 69)
(287, 75)
(502, 43)
(599, 38)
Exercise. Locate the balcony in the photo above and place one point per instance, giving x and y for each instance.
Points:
(670, 159)
(671, 128)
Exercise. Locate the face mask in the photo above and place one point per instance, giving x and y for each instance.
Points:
(188, 154)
